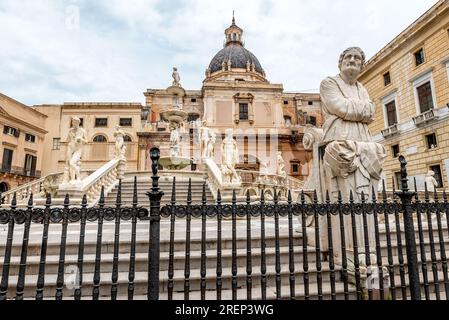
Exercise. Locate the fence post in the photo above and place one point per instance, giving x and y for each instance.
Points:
(154, 251)
(412, 256)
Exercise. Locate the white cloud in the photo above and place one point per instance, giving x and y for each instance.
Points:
(123, 47)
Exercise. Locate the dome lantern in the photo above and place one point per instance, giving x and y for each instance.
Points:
(234, 34)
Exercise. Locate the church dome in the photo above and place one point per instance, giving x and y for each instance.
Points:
(238, 55)
(235, 53)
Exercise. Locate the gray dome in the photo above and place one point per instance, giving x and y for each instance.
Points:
(238, 55)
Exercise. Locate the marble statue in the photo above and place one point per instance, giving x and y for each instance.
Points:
(76, 140)
(204, 140)
(430, 181)
(176, 78)
(248, 66)
(281, 166)
(352, 161)
(175, 139)
(120, 147)
(229, 65)
(253, 67)
(223, 66)
(210, 145)
(230, 158)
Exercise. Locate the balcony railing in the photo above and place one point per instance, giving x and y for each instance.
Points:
(425, 117)
(20, 171)
(390, 131)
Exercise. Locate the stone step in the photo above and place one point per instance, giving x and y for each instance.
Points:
(141, 279)
(52, 261)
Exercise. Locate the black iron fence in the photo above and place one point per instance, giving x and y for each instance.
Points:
(228, 250)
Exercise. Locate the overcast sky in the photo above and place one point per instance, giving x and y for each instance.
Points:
(55, 51)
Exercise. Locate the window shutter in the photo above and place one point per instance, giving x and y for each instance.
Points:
(17, 133)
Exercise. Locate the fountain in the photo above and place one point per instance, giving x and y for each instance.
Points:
(175, 116)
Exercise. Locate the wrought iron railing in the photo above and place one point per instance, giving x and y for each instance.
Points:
(236, 250)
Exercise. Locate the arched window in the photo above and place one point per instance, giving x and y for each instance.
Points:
(100, 138)
(3, 188)
(127, 139)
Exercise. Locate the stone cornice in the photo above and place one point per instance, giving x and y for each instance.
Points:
(404, 37)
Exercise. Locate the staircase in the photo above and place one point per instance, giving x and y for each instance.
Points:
(141, 267)
(144, 185)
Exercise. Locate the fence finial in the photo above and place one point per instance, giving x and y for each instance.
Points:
(404, 179)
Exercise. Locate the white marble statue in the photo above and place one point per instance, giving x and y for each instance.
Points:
(210, 145)
(175, 139)
(120, 147)
(230, 158)
(204, 140)
(352, 161)
(430, 181)
(76, 140)
(281, 166)
(176, 78)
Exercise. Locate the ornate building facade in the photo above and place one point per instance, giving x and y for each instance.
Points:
(235, 94)
(409, 82)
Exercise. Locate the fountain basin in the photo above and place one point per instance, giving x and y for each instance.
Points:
(174, 163)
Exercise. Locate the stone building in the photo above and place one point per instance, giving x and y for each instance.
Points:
(237, 95)
(21, 144)
(409, 82)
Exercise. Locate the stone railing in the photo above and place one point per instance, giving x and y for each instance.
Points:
(390, 131)
(425, 117)
(294, 184)
(107, 176)
(35, 187)
(214, 179)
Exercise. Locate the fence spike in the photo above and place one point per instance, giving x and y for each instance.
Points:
(328, 199)
(248, 197)
(189, 192)
(14, 200)
(289, 197)
(351, 196)
(340, 198)
(219, 196)
(118, 201)
(101, 203)
(275, 198)
(204, 198)
(234, 197)
(262, 196)
(84, 201)
(394, 189)
(426, 192)
(30, 201)
(66, 200)
(444, 196)
(435, 192)
(48, 200)
(173, 192)
(315, 196)
(303, 197)
(374, 198)
(135, 203)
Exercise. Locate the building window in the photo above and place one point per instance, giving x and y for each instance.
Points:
(56, 143)
(387, 78)
(397, 175)
(126, 122)
(296, 167)
(193, 117)
(243, 111)
(127, 139)
(419, 57)
(11, 131)
(30, 165)
(310, 103)
(311, 120)
(390, 109)
(7, 160)
(288, 121)
(431, 140)
(285, 102)
(100, 138)
(30, 138)
(438, 176)
(101, 122)
(395, 151)
(193, 100)
(425, 98)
